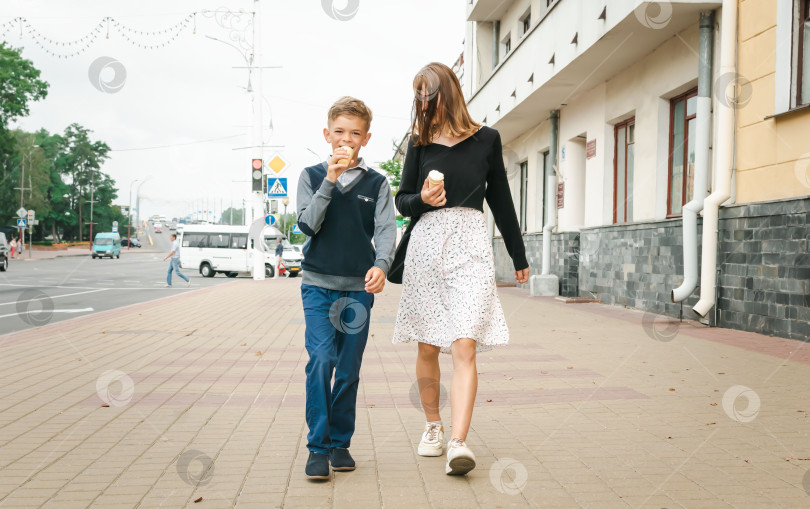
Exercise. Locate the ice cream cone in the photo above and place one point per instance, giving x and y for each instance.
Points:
(349, 160)
(435, 178)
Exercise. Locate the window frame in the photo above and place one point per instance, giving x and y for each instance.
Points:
(803, 16)
(525, 22)
(626, 125)
(671, 135)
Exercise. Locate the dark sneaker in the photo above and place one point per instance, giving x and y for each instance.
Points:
(341, 460)
(317, 467)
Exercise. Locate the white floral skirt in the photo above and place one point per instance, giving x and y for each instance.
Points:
(448, 284)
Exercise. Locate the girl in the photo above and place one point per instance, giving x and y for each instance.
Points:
(13, 246)
(449, 300)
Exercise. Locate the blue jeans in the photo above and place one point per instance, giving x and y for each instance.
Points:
(175, 266)
(336, 331)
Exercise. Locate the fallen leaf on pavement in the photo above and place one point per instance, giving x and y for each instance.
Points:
(198, 500)
(243, 344)
(259, 353)
(672, 388)
(105, 405)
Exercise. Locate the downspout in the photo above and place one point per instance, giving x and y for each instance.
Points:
(702, 137)
(551, 192)
(725, 158)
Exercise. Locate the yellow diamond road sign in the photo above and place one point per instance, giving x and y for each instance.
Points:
(277, 164)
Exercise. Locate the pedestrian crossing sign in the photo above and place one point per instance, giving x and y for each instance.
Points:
(276, 187)
(20, 223)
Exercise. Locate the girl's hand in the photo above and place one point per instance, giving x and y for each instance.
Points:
(435, 197)
(521, 276)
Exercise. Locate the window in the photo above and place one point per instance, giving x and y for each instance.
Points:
(802, 62)
(623, 160)
(524, 193)
(239, 240)
(683, 110)
(195, 240)
(526, 22)
(507, 44)
(218, 240)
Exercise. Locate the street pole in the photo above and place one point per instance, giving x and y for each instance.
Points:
(258, 142)
(129, 218)
(92, 200)
(22, 180)
(138, 202)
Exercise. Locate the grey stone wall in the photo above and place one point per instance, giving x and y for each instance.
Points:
(763, 260)
(765, 268)
(564, 260)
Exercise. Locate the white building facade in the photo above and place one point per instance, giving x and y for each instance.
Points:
(608, 143)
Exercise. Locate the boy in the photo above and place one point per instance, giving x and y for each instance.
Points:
(342, 205)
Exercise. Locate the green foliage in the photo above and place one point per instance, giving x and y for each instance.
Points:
(394, 170)
(232, 215)
(19, 85)
(60, 174)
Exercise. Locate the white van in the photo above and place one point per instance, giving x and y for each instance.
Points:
(213, 249)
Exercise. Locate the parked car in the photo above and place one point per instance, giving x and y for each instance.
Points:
(4, 252)
(132, 240)
(106, 244)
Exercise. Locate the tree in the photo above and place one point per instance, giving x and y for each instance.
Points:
(19, 85)
(232, 215)
(393, 169)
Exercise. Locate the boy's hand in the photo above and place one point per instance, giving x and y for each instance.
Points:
(521, 276)
(334, 169)
(375, 280)
(434, 197)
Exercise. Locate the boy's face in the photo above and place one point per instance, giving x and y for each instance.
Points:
(346, 131)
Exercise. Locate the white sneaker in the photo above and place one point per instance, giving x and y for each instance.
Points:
(460, 459)
(432, 443)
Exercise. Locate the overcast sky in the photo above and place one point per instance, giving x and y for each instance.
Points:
(188, 91)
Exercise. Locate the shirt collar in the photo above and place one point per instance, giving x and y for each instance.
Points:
(361, 165)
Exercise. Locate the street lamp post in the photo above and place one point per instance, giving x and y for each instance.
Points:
(138, 201)
(129, 217)
(285, 201)
(21, 232)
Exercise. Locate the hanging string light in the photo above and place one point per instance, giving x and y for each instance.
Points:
(66, 49)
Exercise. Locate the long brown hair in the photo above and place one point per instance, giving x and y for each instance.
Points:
(438, 86)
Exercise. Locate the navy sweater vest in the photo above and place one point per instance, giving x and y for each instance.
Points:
(342, 246)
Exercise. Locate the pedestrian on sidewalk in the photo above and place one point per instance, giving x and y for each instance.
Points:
(279, 255)
(13, 246)
(449, 300)
(174, 264)
(343, 206)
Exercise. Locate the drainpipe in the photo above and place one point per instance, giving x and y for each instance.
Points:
(702, 137)
(725, 154)
(496, 40)
(551, 192)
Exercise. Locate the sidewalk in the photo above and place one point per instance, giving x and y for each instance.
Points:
(202, 395)
(42, 254)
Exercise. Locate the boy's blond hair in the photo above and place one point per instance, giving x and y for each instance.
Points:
(350, 107)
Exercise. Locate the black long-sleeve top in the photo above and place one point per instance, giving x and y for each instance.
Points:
(473, 170)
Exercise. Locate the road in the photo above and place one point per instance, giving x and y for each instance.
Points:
(37, 292)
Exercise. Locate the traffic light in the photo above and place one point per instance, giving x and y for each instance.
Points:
(256, 176)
